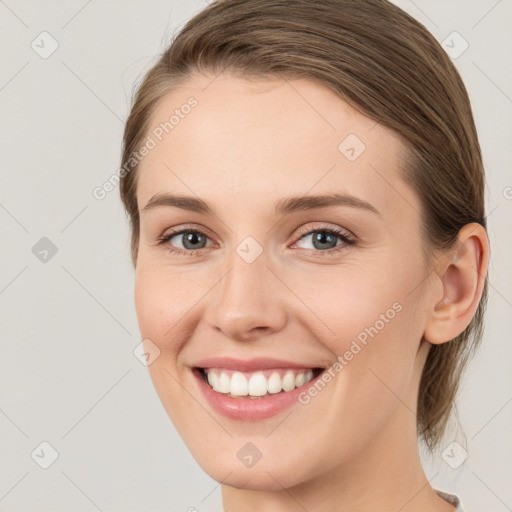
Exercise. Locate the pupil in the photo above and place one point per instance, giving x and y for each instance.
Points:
(321, 238)
(191, 238)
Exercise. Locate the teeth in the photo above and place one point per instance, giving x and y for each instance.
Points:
(274, 383)
(289, 381)
(213, 380)
(239, 385)
(256, 384)
(224, 383)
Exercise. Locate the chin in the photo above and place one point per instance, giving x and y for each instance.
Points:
(253, 479)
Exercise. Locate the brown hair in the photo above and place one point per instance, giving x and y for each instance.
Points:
(386, 65)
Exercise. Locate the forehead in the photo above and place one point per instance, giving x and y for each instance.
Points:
(254, 141)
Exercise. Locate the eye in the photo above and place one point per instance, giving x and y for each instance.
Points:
(191, 240)
(326, 239)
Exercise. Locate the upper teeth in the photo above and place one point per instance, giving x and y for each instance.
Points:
(258, 383)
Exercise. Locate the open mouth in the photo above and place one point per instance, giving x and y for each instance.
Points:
(257, 384)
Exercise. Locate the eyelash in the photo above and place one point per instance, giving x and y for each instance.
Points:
(346, 239)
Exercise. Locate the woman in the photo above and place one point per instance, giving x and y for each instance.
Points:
(306, 196)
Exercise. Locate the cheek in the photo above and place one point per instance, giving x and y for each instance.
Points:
(356, 302)
(372, 324)
(164, 299)
(148, 302)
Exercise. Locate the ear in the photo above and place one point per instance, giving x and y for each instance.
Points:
(462, 272)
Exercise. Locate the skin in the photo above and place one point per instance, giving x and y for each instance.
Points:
(245, 146)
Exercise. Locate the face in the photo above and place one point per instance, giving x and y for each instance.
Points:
(280, 253)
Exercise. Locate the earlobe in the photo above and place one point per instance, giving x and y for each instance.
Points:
(462, 272)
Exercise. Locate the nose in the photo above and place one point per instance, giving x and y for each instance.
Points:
(247, 304)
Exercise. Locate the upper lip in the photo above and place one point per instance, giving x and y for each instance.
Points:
(248, 365)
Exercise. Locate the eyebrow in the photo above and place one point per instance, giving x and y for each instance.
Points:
(282, 207)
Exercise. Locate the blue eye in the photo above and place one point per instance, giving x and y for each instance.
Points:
(324, 240)
(191, 239)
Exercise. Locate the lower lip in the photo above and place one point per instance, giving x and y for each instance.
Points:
(250, 409)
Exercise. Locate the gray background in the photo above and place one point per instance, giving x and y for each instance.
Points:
(68, 328)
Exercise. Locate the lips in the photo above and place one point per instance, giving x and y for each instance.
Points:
(251, 365)
(253, 389)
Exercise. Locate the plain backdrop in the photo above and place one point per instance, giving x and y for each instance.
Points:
(68, 375)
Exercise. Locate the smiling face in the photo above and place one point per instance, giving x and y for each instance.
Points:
(307, 281)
